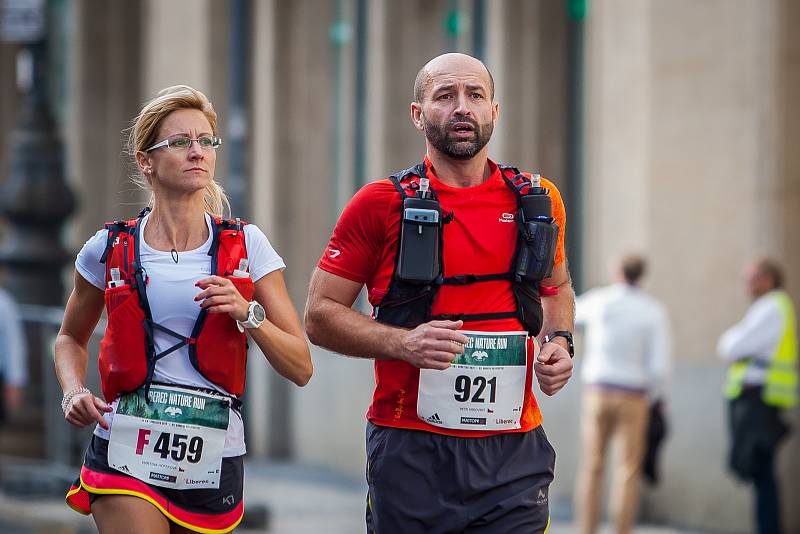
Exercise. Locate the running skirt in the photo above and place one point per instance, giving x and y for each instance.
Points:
(201, 510)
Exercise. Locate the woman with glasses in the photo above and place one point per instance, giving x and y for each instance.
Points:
(183, 288)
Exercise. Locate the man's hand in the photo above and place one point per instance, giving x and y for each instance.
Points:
(553, 367)
(433, 345)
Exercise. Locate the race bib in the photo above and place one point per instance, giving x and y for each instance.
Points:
(175, 441)
(484, 387)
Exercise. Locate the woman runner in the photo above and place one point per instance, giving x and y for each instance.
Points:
(181, 286)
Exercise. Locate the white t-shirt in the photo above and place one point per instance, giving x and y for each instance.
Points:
(627, 338)
(171, 291)
(756, 336)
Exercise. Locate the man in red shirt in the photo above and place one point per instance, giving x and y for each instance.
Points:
(454, 438)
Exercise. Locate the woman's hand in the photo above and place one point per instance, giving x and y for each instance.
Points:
(219, 295)
(84, 409)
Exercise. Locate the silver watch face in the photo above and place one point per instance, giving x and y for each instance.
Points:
(258, 312)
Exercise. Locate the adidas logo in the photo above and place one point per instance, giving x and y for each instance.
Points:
(434, 419)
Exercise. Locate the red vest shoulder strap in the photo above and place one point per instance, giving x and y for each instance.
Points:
(228, 245)
(120, 250)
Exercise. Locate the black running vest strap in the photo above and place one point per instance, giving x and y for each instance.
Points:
(409, 304)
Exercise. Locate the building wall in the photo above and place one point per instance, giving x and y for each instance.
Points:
(688, 163)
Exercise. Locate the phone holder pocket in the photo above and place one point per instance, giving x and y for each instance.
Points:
(536, 249)
(420, 234)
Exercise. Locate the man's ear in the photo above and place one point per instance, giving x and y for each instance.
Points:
(416, 116)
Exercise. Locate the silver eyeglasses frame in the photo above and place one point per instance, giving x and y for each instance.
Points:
(216, 142)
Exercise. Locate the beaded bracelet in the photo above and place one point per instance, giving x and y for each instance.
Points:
(69, 395)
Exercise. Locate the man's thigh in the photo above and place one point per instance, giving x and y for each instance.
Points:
(429, 483)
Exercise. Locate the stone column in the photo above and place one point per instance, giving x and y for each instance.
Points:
(690, 129)
(105, 96)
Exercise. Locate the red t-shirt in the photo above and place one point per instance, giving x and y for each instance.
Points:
(481, 239)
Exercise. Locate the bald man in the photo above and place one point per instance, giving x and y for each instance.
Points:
(762, 354)
(472, 300)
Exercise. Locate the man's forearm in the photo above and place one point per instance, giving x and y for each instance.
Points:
(336, 327)
(558, 311)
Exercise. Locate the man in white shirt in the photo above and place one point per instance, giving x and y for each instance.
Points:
(626, 363)
(762, 380)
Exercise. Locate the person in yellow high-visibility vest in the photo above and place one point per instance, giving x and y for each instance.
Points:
(762, 381)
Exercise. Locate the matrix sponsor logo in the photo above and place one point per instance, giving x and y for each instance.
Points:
(163, 477)
(473, 420)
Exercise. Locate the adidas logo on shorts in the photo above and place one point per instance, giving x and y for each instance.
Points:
(434, 419)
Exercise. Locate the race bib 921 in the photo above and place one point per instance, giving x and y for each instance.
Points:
(484, 387)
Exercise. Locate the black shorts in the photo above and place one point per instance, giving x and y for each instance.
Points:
(421, 482)
(201, 510)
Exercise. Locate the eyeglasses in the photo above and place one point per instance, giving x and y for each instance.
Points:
(206, 142)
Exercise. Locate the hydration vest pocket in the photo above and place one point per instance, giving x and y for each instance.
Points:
(123, 361)
(536, 249)
(218, 358)
(245, 286)
(529, 305)
(406, 305)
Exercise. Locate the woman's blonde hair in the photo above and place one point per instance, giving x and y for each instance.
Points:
(145, 129)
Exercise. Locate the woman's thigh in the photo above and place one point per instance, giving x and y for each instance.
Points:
(125, 514)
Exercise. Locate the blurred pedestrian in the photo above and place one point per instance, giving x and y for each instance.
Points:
(13, 356)
(181, 286)
(626, 365)
(762, 381)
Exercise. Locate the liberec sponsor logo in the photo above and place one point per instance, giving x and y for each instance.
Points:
(195, 482)
(473, 420)
(162, 476)
(503, 421)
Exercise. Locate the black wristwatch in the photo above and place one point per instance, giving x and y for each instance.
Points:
(566, 334)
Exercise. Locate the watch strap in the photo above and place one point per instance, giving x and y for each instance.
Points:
(566, 334)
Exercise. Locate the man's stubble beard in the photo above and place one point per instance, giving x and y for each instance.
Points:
(437, 135)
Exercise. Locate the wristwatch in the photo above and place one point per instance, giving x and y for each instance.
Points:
(566, 335)
(255, 316)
